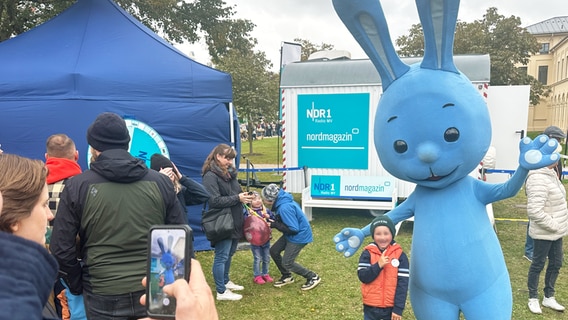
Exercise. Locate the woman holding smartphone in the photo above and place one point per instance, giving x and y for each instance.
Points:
(220, 180)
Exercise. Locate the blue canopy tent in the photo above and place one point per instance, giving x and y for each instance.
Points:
(94, 57)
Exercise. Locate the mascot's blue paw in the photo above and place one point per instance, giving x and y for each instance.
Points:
(538, 153)
(348, 241)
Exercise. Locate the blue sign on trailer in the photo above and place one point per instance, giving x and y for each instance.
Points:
(333, 130)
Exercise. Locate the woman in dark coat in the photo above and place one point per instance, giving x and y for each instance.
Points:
(220, 181)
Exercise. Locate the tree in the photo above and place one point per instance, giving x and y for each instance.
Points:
(308, 47)
(176, 21)
(506, 42)
(255, 90)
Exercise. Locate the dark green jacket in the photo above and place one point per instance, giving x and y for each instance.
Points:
(111, 208)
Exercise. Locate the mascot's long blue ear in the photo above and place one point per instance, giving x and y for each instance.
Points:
(438, 18)
(366, 21)
(161, 245)
(170, 242)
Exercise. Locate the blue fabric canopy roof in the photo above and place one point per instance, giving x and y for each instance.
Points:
(94, 57)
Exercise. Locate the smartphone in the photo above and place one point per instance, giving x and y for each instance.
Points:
(170, 248)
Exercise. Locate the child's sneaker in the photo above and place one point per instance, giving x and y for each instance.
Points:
(259, 280)
(311, 283)
(267, 278)
(284, 280)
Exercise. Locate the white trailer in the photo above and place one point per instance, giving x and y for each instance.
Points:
(328, 111)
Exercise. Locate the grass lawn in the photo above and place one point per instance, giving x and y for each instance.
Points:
(338, 295)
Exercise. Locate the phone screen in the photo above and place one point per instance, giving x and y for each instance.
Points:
(169, 256)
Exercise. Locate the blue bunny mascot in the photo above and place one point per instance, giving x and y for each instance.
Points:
(432, 128)
(168, 261)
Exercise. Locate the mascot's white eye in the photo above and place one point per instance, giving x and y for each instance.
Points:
(451, 134)
(400, 146)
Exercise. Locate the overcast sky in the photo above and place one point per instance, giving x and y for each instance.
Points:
(280, 21)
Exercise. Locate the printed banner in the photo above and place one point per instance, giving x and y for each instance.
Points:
(353, 187)
(333, 130)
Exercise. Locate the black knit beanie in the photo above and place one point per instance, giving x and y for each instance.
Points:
(158, 161)
(108, 131)
(383, 220)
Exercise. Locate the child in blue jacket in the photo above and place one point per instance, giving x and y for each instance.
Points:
(297, 233)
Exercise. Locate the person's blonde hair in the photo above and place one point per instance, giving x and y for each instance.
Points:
(60, 146)
(21, 182)
(221, 149)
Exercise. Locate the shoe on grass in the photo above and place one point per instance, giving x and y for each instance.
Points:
(311, 283)
(534, 307)
(528, 258)
(284, 280)
(552, 304)
(267, 278)
(235, 287)
(229, 295)
(259, 280)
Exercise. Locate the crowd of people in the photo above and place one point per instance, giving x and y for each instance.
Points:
(83, 239)
(261, 130)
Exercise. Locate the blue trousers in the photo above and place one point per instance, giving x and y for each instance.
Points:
(261, 259)
(224, 251)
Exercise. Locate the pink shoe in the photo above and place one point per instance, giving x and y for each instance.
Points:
(259, 280)
(267, 278)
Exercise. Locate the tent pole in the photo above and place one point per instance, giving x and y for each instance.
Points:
(232, 125)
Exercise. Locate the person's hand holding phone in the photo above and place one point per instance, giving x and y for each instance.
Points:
(246, 197)
(194, 298)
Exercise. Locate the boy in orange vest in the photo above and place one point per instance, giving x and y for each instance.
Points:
(383, 271)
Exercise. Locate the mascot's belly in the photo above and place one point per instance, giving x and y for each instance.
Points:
(455, 252)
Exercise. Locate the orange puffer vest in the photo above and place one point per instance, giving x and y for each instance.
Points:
(380, 293)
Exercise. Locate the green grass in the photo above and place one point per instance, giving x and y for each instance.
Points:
(267, 150)
(338, 295)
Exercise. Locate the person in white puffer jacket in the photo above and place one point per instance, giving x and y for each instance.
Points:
(548, 220)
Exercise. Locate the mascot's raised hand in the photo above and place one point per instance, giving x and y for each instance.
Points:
(432, 128)
(538, 153)
(350, 239)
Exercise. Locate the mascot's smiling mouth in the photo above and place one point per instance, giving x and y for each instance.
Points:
(434, 177)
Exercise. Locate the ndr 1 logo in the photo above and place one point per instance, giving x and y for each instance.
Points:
(323, 186)
(318, 114)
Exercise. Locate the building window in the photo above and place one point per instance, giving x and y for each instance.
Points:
(543, 74)
(544, 48)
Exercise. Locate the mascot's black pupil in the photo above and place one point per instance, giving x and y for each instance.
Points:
(451, 134)
(400, 146)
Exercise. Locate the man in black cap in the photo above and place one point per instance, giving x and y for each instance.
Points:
(189, 192)
(111, 208)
